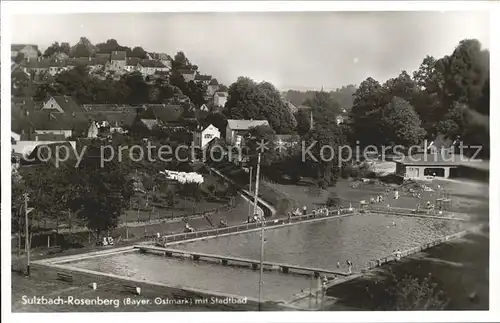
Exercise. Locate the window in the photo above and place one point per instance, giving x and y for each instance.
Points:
(208, 136)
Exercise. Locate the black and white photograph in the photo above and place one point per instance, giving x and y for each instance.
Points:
(179, 159)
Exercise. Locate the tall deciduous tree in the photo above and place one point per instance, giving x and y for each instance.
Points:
(103, 192)
(249, 100)
(401, 124)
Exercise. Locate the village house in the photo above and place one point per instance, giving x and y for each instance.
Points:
(63, 104)
(212, 87)
(163, 58)
(118, 60)
(188, 75)
(28, 51)
(427, 166)
(204, 107)
(36, 66)
(149, 67)
(56, 67)
(57, 123)
(132, 64)
(220, 99)
(237, 129)
(204, 79)
(93, 130)
(204, 135)
(101, 61)
(41, 153)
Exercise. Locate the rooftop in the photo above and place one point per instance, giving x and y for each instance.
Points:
(222, 94)
(200, 77)
(245, 124)
(18, 47)
(118, 55)
(68, 104)
(439, 159)
(151, 63)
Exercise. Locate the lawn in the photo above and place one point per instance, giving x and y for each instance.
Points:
(467, 197)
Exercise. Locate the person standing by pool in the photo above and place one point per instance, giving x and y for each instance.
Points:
(349, 266)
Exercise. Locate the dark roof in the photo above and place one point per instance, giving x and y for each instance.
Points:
(213, 82)
(50, 137)
(245, 124)
(185, 71)
(57, 63)
(118, 55)
(133, 61)
(68, 104)
(83, 61)
(109, 108)
(200, 77)
(21, 108)
(38, 154)
(114, 118)
(163, 112)
(160, 56)
(439, 159)
(35, 63)
(151, 63)
(45, 120)
(18, 47)
(102, 58)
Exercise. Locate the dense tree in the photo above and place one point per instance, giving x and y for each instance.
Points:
(102, 192)
(400, 124)
(112, 45)
(56, 48)
(81, 51)
(182, 62)
(325, 138)
(249, 100)
(138, 52)
(366, 104)
(303, 119)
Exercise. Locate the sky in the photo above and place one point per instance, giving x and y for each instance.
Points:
(294, 50)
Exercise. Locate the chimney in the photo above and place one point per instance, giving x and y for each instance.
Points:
(36, 138)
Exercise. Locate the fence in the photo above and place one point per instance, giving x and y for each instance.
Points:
(251, 226)
(422, 247)
(400, 210)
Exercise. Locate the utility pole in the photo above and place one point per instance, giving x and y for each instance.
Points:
(250, 190)
(26, 211)
(261, 232)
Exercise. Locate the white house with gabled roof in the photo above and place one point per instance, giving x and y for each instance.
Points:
(204, 135)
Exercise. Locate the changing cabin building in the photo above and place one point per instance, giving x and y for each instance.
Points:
(427, 166)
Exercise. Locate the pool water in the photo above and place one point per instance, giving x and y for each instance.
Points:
(319, 244)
